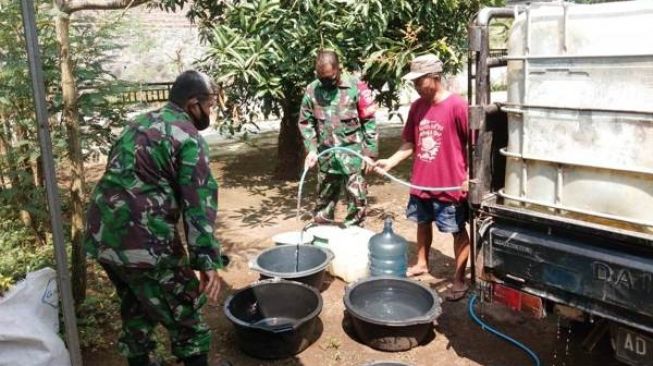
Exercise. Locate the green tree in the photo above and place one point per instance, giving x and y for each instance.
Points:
(23, 210)
(19, 175)
(263, 51)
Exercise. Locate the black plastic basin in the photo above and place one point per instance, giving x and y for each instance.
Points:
(390, 313)
(281, 262)
(275, 318)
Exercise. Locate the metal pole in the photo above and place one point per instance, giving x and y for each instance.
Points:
(38, 88)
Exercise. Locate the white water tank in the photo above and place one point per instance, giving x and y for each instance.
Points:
(580, 112)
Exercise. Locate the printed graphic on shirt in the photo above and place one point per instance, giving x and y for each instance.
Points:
(430, 138)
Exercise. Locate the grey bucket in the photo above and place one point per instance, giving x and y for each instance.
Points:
(280, 262)
(390, 313)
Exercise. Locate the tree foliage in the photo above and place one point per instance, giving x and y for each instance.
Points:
(23, 209)
(263, 51)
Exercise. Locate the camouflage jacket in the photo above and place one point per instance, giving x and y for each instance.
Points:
(157, 171)
(343, 116)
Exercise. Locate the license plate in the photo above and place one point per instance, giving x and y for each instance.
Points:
(634, 348)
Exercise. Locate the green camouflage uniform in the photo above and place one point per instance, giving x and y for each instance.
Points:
(342, 116)
(169, 296)
(157, 171)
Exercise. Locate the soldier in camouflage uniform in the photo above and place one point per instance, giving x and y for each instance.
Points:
(157, 171)
(338, 110)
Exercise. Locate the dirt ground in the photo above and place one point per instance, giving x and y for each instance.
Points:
(253, 207)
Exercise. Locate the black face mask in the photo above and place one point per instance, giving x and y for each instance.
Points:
(328, 83)
(203, 122)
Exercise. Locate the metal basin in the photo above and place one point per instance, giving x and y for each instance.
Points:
(301, 263)
(391, 314)
(275, 318)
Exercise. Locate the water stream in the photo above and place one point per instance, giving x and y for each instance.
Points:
(557, 341)
(560, 358)
(301, 237)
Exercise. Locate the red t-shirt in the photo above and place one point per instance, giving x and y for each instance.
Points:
(439, 135)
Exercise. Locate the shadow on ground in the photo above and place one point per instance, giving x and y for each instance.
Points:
(277, 199)
(254, 172)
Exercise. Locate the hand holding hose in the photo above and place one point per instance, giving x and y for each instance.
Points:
(383, 166)
(465, 186)
(369, 165)
(311, 160)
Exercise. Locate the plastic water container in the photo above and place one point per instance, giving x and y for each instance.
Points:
(350, 249)
(388, 253)
(322, 234)
(580, 117)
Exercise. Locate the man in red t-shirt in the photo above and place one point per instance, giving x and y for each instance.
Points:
(435, 135)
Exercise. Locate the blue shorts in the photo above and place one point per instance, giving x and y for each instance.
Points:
(448, 217)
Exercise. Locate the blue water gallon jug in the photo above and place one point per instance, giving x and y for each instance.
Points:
(388, 252)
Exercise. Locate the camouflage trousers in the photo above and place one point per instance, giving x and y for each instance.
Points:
(169, 296)
(329, 187)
